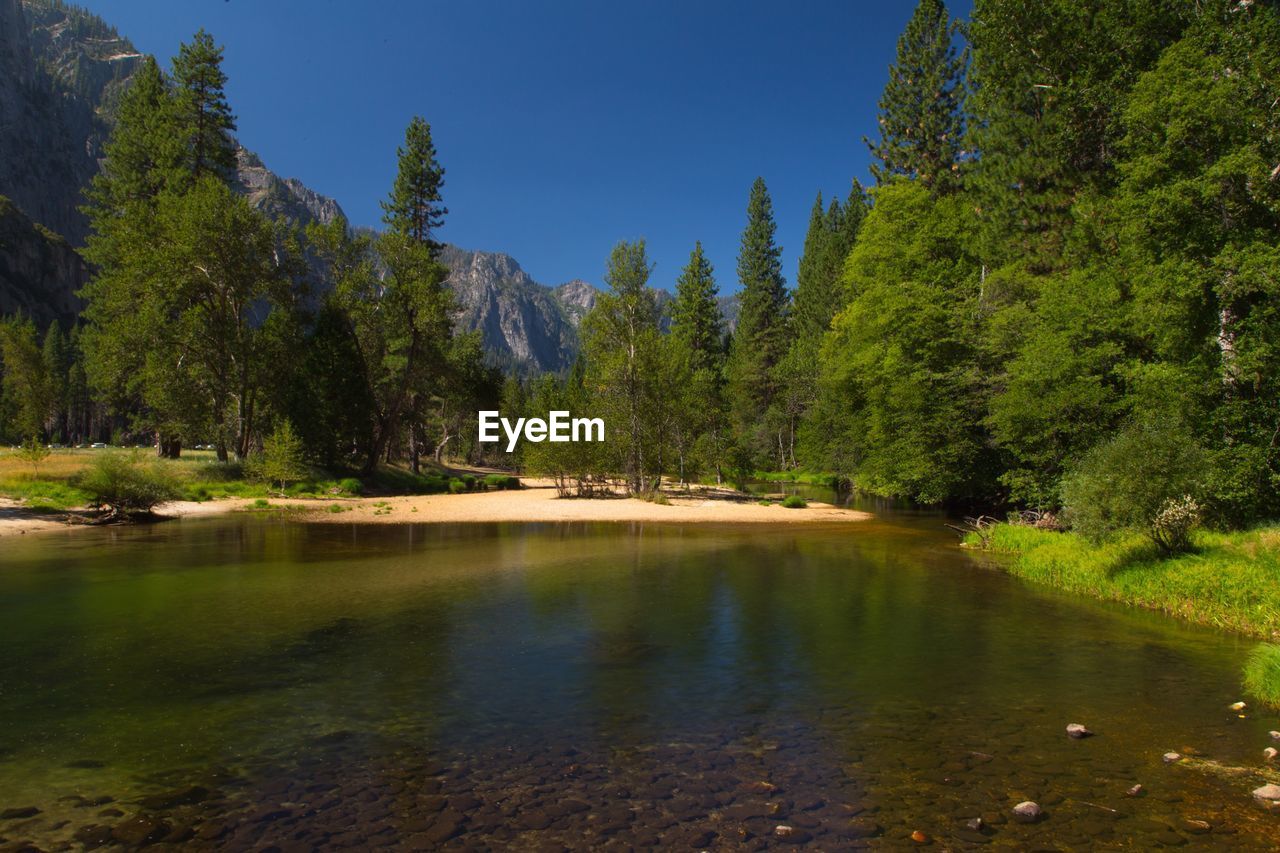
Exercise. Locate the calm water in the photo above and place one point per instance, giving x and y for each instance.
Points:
(245, 683)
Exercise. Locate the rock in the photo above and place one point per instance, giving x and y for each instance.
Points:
(1269, 753)
(1027, 812)
(139, 830)
(1237, 706)
(1135, 791)
(1077, 731)
(179, 797)
(93, 836)
(1196, 826)
(790, 834)
(18, 813)
(920, 838)
(1171, 757)
(1274, 735)
(975, 824)
(863, 827)
(1269, 793)
(972, 836)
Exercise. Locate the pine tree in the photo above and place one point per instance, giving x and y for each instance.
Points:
(205, 117)
(414, 207)
(142, 153)
(695, 315)
(760, 338)
(921, 111)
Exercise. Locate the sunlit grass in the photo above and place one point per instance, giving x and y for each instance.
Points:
(1262, 674)
(1230, 580)
(52, 485)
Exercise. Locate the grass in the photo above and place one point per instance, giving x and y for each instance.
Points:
(1262, 673)
(794, 502)
(202, 478)
(1230, 580)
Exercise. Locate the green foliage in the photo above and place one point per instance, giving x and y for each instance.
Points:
(350, 486)
(281, 461)
(456, 486)
(124, 485)
(696, 323)
(25, 392)
(1262, 673)
(759, 341)
(501, 481)
(1134, 482)
(414, 208)
(33, 451)
(204, 119)
(899, 397)
(1231, 581)
(922, 108)
(794, 502)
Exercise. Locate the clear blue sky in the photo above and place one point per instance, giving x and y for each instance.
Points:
(564, 125)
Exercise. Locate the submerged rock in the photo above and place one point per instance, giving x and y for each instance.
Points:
(20, 812)
(1027, 812)
(1135, 791)
(1077, 731)
(1269, 793)
(1171, 757)
(139, 830)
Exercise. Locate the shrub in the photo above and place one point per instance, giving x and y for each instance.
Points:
(1262, 673)
(281, 459)
(654, 497)
(350, 485)
(261, 503)
(794, 502)
(124, 486)
(469, 481)
(456, 486)
(501, 481)
(34, 452)
(1144, 479)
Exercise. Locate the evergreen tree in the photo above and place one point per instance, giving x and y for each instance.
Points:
(414, 207)
(205, 121)
(760, 338)
(623, 354)
(26, 392)
(695, 314)
(921, 120)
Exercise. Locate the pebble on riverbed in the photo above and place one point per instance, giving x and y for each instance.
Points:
(1269, 753)
(1135, 791)
(1077, 731)
(1027, 812)
(1268, 793)
(1171, 757)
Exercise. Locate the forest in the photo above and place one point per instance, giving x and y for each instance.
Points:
(1060, 288)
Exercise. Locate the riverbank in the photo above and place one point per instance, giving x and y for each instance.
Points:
(536, 502)
(1230, 580)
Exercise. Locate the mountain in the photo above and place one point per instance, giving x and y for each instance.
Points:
(39, 271)
(62, 71)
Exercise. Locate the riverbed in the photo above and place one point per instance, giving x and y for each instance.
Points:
(242, 682)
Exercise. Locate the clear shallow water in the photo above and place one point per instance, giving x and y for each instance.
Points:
(244, 683)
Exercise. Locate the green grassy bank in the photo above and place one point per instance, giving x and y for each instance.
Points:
(1229, 581)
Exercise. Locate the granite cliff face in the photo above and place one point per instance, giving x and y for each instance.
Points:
(39, 271)
(523, 325)
(62, 72)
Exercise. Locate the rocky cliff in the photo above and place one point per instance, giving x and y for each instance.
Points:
(39, 271)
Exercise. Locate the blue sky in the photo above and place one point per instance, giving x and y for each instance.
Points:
(564, 125)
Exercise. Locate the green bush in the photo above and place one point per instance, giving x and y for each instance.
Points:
(1262, 674)
(794, 502)
(125, 486)
(501, 481)
(456, 486)
(1146, 479)
(350, 486)
(469, 480)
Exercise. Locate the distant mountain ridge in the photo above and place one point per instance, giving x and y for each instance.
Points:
(62, 72)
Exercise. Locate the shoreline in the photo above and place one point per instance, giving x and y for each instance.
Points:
(536, 502)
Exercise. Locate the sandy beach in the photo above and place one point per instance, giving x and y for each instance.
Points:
(537, 502)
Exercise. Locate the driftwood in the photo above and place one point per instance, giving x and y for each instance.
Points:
(980, 526)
